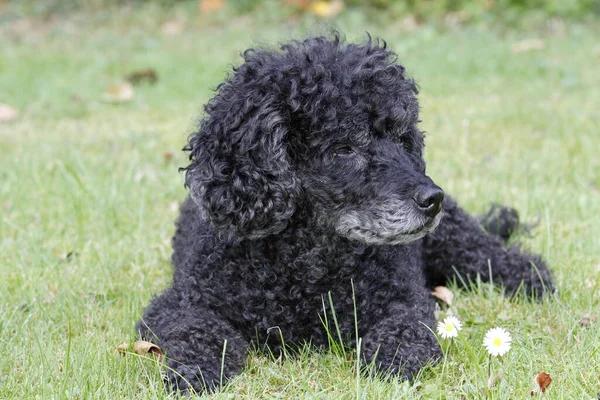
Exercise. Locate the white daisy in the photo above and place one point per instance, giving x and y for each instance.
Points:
(497, 341)
(449, 327)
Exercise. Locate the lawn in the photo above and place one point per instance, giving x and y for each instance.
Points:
(89, 191)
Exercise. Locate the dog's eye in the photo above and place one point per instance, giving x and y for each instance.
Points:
(343, 151)
(405, 141)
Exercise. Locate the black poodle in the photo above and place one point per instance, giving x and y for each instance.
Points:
(307, 181)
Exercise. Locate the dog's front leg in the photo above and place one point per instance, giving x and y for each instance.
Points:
(403, 342)
(460, 249)
(202, 349)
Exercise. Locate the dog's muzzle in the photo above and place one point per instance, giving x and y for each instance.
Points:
(393, 221)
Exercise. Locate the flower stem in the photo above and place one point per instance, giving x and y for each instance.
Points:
(445, 350)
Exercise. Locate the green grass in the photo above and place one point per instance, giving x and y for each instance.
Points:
(83, 177)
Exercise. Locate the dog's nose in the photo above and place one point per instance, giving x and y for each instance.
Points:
(429, 199)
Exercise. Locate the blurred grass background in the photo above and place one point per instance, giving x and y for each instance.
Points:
(89, 187)
(423, 10)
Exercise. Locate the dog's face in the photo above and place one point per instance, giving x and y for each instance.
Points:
(358, 152)
(325, 126)
(373, 190)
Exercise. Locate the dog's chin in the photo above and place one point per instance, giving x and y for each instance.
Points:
(391, 236)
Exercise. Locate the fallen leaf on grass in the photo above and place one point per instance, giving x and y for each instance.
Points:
(119, 93)
(142, 76)
(301, 4)
(326, 9)
(168, 156)
(542, 381)
(444, 294)
(585, 321)
(172, 28)
(408, 23)
(7, 113)
(142, 348)
(50, 296)
(173, 207)
(456, 19)
(493, 380)
(528, 45)
(122, 348)
(68, 256)
(210, 6)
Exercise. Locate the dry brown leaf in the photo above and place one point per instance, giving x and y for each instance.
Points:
(172, 28)
(142, 348)
(119, 93)
(326, 9)
(456, 19)
(142, 76)
(173, 207)
(210, 6)
(122, 348)
(76, 99)
(7, 113)
(542, 381)
(408, 23)
(301, 4)
(528, 45)
(585, 321)
(493, 380)
(444, 294)
(50, 296)
(68, 256)
(7, 205)
(168, 155)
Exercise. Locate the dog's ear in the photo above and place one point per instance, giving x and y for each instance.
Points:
(239, 173)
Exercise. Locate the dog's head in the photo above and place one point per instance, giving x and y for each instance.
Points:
(322, 126)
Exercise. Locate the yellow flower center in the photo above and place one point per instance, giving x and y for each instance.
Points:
(449, 327)
(497, 342)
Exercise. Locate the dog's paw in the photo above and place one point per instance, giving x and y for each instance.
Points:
(533, 279)
(391, 360)
(188, 381)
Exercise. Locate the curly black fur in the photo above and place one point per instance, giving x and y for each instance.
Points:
(307, 178)
(505, 222)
